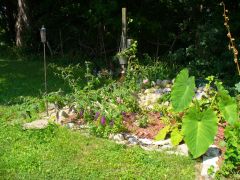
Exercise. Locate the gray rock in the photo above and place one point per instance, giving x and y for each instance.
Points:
(164, 83)
(167, 90)
(145, 142)
(133, 141)
(159, 91)
(213, 151)
(38, 124)
(158, 82)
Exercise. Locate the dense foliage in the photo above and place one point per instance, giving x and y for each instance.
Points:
(188, 32)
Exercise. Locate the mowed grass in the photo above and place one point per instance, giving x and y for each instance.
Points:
(59, 153)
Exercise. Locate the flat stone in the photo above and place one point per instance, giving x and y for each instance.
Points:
(127, 136)
(147, 148)
(118, 137)
(84, 127)
(183, 149)
(145, 141)
(207, 163)
(164, 83)
(122, 142)
(51, 106)
(166, 147)
(162, 142)
(70, 125)
(167, 90)
(133, 141)
(38, 124)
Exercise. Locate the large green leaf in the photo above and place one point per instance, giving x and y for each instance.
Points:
(199, 129)
(183, 91)
(162, 133)
(227, 105)
(176, 136)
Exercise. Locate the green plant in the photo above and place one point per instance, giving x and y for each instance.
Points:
(143, 121)
(130, 52)
(199, 123)
(232, 155)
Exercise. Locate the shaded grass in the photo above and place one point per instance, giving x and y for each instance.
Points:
(58, 153)
(25, 79)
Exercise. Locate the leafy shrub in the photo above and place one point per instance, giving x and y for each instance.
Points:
(232, 154)
(200, 122)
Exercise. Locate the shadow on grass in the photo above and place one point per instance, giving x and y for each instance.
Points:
(24, 78)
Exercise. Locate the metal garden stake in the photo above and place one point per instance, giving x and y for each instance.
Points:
(44, 40)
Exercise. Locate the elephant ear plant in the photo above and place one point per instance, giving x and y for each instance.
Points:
(199, 123)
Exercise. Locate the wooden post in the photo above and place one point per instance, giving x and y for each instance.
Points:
(124, 37)
(124, 28)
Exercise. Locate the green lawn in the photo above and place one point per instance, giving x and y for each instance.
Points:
(58, 153)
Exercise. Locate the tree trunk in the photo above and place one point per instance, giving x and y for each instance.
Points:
(21, 21)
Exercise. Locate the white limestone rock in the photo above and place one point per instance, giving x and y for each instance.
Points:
(118, 137)
(182, 149)
(162, 142)
(38, 124)
(145, 142)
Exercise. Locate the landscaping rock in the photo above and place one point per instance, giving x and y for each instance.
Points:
(182, 149)
(118, 137)
(210, 160)
(85, 127)
(38, 124)
(70, 125)
(159, 91)
(145, 142)
(162, 142)
(207, 163)
(165, 147)
(213, 151)
(167, 90)
(164, 83)
(147, 148)
(51, 106)
(158, 82)
(133, 140)
(64, 114)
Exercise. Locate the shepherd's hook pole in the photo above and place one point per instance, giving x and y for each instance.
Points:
(45, 73)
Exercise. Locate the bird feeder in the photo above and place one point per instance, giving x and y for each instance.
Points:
(44, 40)
(43, 35)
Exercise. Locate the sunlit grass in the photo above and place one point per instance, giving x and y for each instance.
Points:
(59, 153)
